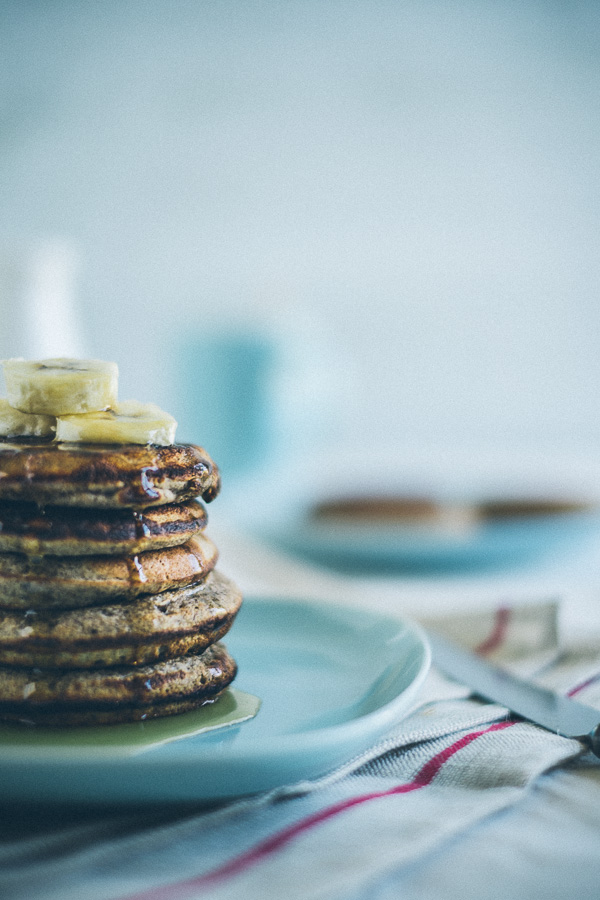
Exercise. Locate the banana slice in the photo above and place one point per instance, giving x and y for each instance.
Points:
(14, 423)
(129, 422)
(56, 387)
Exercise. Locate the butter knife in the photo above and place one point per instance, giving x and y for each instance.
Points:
(556, 713)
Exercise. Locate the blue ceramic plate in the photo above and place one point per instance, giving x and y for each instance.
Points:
(459, 480)
(388, 550)
(331, 679)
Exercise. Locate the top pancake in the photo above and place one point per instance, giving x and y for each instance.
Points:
(105, 475)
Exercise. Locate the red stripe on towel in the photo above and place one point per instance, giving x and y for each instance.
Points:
(582, 685)
(265, 848)
(498, 633)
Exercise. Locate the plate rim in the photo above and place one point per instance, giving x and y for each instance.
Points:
(266, 748)
(278, 742)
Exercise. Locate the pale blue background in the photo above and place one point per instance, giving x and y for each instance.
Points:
(406, 191)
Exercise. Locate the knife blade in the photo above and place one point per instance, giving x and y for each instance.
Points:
(561, 715)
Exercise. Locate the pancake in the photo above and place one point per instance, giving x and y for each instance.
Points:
(105, 475)
(69, 531)
(76, 581)
(124, 694)
(152, 627)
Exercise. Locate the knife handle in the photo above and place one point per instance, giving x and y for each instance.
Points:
(594, 739)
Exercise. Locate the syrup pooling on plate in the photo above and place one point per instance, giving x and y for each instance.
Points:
(117, 693)
(233, 708)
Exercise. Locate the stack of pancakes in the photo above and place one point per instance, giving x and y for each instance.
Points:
(110, 606)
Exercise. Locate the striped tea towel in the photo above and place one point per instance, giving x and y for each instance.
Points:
(452, 763)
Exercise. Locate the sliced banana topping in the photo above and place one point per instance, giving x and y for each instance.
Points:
(14, 423)
(55, 387)
(129, 422)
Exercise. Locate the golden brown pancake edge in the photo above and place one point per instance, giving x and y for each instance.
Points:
(152, 627)
(105, 475)
(69, 582)
(122, 694)
(74, 531)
